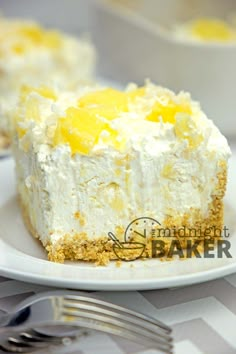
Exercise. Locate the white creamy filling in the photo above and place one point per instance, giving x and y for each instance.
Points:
(107, 192)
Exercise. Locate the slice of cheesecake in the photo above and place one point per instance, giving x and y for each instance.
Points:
(90, 162)
(30, 54)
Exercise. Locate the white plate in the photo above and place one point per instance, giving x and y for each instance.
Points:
(23, 258)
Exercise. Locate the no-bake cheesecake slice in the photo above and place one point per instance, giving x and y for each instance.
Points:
(89, 162)
(30, 54)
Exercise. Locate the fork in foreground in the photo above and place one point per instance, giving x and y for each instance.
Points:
(83, 311)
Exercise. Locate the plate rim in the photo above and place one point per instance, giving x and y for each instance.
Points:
(122, 285)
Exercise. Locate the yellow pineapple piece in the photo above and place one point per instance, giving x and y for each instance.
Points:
(19, 38)
(46, 92)
(168, 171)
(20, 131)
(19, 48)
(117, 203)
(81, 129)
(107, 103)
(32, 109)
(105, 97)
(108, 112)
(186, 128)
(32, 33)
(52, 39)
(38, 36)
(42, 91)
(167, 111)
(210, 29)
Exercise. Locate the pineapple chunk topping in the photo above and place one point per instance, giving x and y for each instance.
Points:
(167, 110)
(38, 36)
(43, 91)
(107, 103)
(108, 97)
(210, 29)
(186, 128)
(81, 128)
(20, 37)
(90, 122)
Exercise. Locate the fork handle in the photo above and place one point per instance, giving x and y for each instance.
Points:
(4, 318)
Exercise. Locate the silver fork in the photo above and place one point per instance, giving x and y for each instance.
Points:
(33, 340)
(83, 311)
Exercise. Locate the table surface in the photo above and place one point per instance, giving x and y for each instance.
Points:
(203, 316)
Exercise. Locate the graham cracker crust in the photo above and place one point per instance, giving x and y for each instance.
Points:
(78, 247)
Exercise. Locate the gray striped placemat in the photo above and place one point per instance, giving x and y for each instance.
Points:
(203, 316)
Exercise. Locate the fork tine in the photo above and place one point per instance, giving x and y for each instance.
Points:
(29, 338)
(108, 327)
(85, 312)
(19, 343)
(121, 309)
(143, 322)
(106, 315)
(114, 326)
(8, 348)
(33, 336)
(127, 318)
(30, 341)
